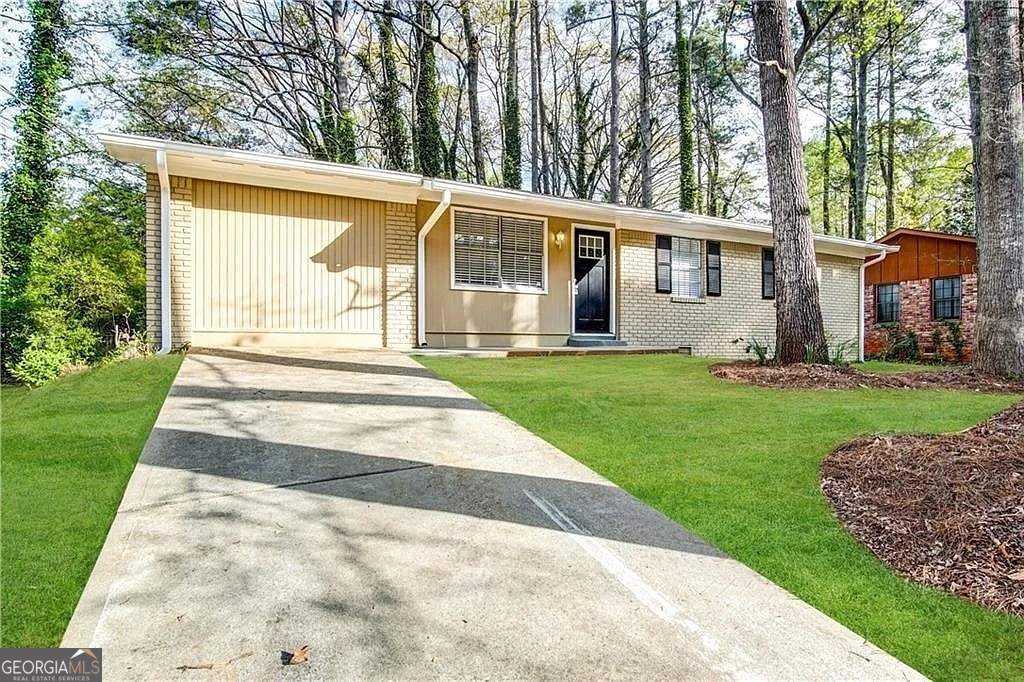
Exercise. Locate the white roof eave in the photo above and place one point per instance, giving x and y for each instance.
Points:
(273, 170)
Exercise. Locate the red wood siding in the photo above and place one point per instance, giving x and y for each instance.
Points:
(923, 256)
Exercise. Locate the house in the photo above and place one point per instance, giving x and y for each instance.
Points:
(929, 287)
(249, 248)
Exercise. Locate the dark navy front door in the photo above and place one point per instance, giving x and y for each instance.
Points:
(593, 282)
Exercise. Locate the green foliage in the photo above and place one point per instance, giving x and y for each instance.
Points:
(511, 125)
(810, 354)
(937, 342)
(30, 186)
(900, 345)
(159, 28)
(684, 103)
(762, 350)
(387, 97)
(86, 287)
(55, 347)
(429, 144)
(843, 351)
(956, 339)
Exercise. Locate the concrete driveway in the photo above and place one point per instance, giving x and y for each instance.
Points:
(355, 503)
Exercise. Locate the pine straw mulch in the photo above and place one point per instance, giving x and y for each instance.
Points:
(831, 376)
(945, 511)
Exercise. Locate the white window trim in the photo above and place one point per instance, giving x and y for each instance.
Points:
(517, 289)
(612, 279)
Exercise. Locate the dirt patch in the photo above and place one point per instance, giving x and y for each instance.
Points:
(829, 376)
(945, 511)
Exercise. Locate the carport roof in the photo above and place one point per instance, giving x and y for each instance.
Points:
(285, 172)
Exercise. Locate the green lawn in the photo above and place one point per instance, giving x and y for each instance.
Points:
(739, 466)
(882, 366)
(68, 449)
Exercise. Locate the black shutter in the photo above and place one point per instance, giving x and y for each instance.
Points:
(663, 264)
(714, 268)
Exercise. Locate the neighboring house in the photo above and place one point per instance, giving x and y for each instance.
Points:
(248, 248)
(930, 284)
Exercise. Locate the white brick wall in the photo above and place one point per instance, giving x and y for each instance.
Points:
(181, 259)
(400, 275)
(714, 326)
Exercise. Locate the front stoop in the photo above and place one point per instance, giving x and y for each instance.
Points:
(583, 341)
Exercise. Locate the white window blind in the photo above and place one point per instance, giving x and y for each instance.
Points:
(686, 267)
(477, 249)
(498, 251)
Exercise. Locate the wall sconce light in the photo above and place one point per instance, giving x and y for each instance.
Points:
(560, 239)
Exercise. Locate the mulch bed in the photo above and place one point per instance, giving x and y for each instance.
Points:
(830, 376)
(945, 511)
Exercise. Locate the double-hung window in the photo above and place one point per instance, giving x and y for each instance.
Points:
(946, 298)
(887, 303)
(498, 252)
(678, 266)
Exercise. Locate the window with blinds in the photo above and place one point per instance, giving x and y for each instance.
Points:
(500, 252)
(686, 267)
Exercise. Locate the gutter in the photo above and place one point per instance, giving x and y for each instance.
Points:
(165, 252)
(860, 298)
(421, 275)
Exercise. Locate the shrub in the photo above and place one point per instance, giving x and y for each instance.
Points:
(937, 342)
(760, 349)
(52, 352)
(840, 356)
(956, 339)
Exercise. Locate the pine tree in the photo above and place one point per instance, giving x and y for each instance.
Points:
(30, 186)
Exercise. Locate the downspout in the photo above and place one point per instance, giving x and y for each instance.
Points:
(864, 266)
(421, 275)
(165, 252)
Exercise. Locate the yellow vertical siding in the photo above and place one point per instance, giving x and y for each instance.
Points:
(269, 260)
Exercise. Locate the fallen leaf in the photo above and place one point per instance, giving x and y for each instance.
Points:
(301, 655)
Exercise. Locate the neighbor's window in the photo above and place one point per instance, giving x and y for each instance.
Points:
(499, 252)
(946, 298)
(767, 273)
(714, 268)
(887, 303)
(677, 266)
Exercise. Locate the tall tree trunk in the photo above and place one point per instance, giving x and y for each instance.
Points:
(994, 63)
(613, 115)
(394, 140)
(342, 142)
(644, 48)
(851, 155)
(684, 101)
(861, 159)
(826, 155)
(580, 130)
(799, 326)
(542, 126)
(889, 171)
(430, 146)
(512, 149)
(473, 90)
(535, 183)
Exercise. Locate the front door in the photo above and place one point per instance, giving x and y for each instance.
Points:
(593, 283)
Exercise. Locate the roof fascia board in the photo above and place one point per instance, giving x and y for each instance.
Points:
(230, 165)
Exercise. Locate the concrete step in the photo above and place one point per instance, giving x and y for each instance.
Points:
(593, 341)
